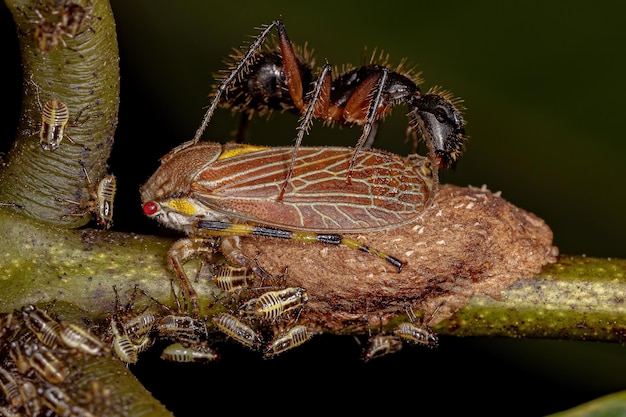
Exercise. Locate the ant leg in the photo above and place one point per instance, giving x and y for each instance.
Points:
(291, 67)
(320, 97)
(371, 118)
(241, 67)
(243, 126)
(369, 142)
(411, 134)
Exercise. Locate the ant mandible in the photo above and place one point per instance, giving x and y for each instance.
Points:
(362, 96)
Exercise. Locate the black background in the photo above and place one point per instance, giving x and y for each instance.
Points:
(544, 88)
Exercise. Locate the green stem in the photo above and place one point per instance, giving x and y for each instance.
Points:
(83, 74)
(577, 298)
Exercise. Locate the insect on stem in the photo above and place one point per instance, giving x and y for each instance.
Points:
(266, 79)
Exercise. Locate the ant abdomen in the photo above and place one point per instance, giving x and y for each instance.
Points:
(265, 88)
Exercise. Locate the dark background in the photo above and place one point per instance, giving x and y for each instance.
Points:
(543, 83)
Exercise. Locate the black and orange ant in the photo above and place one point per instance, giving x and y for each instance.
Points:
(280, 79)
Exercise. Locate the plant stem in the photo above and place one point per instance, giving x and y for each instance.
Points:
(83, 73)
(577, 298)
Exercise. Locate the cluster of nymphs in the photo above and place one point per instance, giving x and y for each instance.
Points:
(58, 20)
(279, 311)
(135, 327)
(266, 319)
(36, 352)
(411, 332)
(250, 314)
(261, 318)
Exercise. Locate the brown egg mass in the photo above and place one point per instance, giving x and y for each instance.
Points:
(470, 241)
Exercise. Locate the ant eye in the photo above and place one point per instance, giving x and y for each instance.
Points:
(150, 208)
(441, 115)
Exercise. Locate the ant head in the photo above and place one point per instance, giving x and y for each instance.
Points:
(441, 126)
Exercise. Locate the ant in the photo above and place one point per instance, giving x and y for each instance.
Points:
(281, 80)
